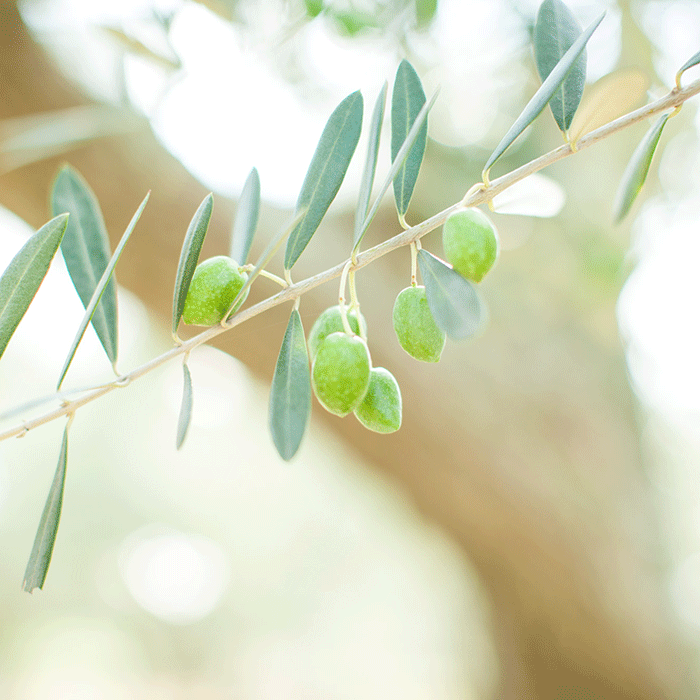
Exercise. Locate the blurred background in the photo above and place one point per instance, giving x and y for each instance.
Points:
(532, 531)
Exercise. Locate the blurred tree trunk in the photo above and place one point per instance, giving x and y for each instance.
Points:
(522, 445)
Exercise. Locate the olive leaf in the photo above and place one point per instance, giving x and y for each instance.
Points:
(637, 169)
(102, 284)
(370, 165)
(407, 99)
(85, 249)
(183, 422)
(692, 61)
(246, 220)
(25, 273)
(608, 98)
(453, 300)
(290, 395)
(326, 173)
(397, 163)
(555, 31)
(40, 557)
(540, 99)
(189, 256)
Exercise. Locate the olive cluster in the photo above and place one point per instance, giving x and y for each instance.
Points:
(342, 376)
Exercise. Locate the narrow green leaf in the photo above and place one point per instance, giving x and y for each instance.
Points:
(189, 256)
(396, 165)
(40, 558)
(290, 395)
(692, 61)
(406, 102)
(637, 169)
(544, 94)
(555, 31)
(453, 300)
(23, 276)
(326, 172)
(183, 422)
(246, 220)
(85, 249)
(104, 280)
(370, 164)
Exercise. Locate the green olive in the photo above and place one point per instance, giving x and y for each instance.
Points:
(415, 327)
(340, 374)
(470, 242)
(380, 410)
(214, 286)
(330, 321)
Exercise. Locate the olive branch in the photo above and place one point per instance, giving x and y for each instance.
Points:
(82, 237)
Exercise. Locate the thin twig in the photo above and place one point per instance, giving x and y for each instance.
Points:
(477, 195)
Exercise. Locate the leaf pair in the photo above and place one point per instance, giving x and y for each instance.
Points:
(98, 292)
(409, 114)
(244, 227)
(557, 59)
(85, 249)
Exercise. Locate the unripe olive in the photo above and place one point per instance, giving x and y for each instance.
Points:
(330, 321)
(380, 410)
(340, 374)
(415, 327)
(214, 286)
(470, 243)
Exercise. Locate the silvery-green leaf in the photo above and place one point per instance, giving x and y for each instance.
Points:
(290, 395)
(85, 249)
(40, 557)
(370, 165)
(540, 99)
(183, 422)
(25, 273)
(407, 100)
(326, 172)
(692, 61)
(397, 163)
(637, 169)
(246, 220)
(189, 256)
(453, 300)
(555, 31)
(104, 280)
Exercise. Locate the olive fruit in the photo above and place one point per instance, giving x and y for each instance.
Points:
(330, 321)
(340, 373)
(380, 410)
(214, 286)
(470, 242)
(415, 327)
